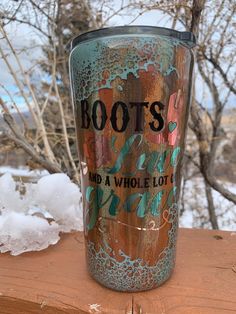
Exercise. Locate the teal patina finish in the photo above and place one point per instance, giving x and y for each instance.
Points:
(95, 64)
(133, 275)
(131, 90)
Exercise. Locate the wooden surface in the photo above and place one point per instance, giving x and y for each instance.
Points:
(56, 281)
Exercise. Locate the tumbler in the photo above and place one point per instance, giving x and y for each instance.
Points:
(131, 92)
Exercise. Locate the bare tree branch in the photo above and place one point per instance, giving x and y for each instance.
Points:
(198, 6)
(37, 117)
(19, 140)
(205, 155)
(63, 120)
(211, 180)
(26, 22)
(211, 206)
(221, 71)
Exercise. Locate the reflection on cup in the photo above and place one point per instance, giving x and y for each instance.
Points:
(131, 92)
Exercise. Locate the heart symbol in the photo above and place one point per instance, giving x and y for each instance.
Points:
(172, 126)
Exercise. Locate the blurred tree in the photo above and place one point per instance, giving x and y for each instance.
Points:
(57, 21)
(68, 19)
(214, 27)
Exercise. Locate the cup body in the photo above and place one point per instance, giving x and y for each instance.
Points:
(131, 93)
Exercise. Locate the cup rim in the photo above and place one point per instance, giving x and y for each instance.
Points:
(186, 37)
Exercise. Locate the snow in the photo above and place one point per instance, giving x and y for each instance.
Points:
(23, 233)
(34, 214)
(23, 171)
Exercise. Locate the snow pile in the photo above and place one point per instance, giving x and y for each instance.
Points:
(33, 214)
(23, 171)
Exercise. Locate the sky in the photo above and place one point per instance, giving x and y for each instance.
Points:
(21, 36)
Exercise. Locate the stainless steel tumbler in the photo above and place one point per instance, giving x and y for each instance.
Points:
(131, 91)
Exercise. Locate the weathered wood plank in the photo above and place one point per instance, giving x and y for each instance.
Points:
(204, 280)
(55, 281)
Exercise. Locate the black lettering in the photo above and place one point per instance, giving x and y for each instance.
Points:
(125, 118)
(165, 177)
(118, 181)
(103, 115)
(107, 182)
(160, 181)
(157, 116)
(139, 114)
(146, 182)
(126, 182)
(133, 182)
(85, 118)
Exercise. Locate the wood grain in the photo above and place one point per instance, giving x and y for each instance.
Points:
(203, 281)
(55, 281)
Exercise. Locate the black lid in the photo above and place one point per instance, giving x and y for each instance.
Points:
(187, 37)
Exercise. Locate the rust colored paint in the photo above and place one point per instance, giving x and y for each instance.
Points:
(131, 97)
